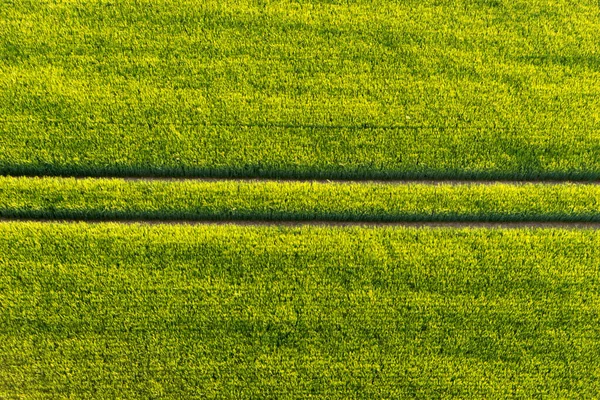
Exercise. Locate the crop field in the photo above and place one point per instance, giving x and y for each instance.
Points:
(108, 310)
(305, 89)
(247, 200)
(293, 199)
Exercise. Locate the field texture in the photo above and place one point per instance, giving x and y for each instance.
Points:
(301, 89)
(113, 311)
(461, 88)
(234, 200)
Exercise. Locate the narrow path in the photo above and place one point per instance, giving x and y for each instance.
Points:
(325, 223)
(374, 181)
(339, 181)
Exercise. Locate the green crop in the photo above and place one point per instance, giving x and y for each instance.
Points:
(361, 89)
(130, 311)
(219, 200)
(303, 88)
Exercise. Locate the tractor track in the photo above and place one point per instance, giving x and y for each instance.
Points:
(152, 178)
(324, 223)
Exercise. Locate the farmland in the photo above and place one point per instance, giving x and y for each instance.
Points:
(300, 201)
(305, 89)
(110, 310)
(162, 163)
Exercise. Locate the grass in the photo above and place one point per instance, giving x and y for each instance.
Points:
(379, 89)
(218, 200)
(120, 311)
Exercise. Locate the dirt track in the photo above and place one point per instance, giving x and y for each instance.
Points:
(348, 181)
(442, 224)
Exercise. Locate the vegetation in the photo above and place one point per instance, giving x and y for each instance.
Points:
(131, 311)
(120, 199)
(303, 88)
(364, 89)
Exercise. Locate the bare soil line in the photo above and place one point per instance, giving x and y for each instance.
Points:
(370, 181)
(336, 181)
(325, 223)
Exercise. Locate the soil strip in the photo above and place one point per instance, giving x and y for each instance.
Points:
(337, 181)
(326, 223)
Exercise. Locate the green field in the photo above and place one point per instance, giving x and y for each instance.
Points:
(114, 311)
(482, 112)
(239, 200)
(461, 88)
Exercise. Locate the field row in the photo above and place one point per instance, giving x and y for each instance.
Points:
(294, 201)
(307, 89)
(116, 311)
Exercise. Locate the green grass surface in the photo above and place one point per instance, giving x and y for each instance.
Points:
(113, 311)
(468, 88)
(116, 198)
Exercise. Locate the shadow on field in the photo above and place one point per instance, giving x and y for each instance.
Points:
(299, 219)
(261, 171)
(587, 61)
